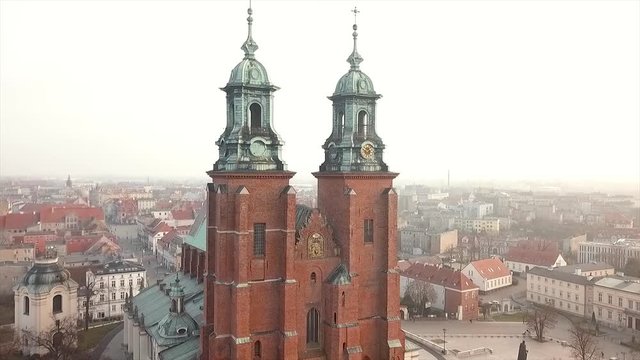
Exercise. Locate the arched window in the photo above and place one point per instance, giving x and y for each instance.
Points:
(57, 304)
(255, 112)
(313, 278)
(363, 123)
(343, 298)
(174, 305)
(26, 305)
(340, 123)
(257, 350)
(313, 326)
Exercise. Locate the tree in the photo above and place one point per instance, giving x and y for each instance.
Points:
(583, 345)
(541, 318)
(420, 294)
(60, 340)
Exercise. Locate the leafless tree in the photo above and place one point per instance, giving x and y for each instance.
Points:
(583, 345)
(60, 340)
(420, 293)
(541, 318)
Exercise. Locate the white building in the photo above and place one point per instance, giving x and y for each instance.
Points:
(488, 274)
(45, 297)
(488, 225)
(111, 284)
(615, 253)
(571, 293)
(521, 260)
(616, 302)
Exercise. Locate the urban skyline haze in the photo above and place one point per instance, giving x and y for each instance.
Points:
(501, 90)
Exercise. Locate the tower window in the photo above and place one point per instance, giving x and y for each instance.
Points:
(313, 278)
(340, 123)
(259, 235)
(257, 350)
(368, 230)
(313, 326)
(57, 304)
(363, 123)
(343, 299)
(255, 113)
(26, 305)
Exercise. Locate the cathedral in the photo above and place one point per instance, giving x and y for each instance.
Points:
(285, 281)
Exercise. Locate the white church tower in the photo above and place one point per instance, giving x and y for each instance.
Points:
(43, 299)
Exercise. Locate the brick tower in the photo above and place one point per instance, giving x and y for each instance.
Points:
(355, 193)
(284, 281)
(249, 273)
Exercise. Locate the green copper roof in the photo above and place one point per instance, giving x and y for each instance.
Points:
(339, 276)
(188, 350)
(198, 235)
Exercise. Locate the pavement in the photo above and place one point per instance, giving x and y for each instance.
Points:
(504, 338)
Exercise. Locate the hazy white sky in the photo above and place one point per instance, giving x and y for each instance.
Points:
(487, 89)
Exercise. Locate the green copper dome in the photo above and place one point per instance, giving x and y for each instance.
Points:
(355, 82)
(249, 72)
(46, 272)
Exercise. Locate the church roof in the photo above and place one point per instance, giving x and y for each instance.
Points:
(198, 234)
(188, 350)
(339, 276)
(45, 275)
(303, 213)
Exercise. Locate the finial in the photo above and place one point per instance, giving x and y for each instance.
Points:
(177, 280)
(355, 59)
(249, 45)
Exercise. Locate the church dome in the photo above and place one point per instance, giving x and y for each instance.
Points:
(177, 326)
(46, 272)
(249, 72)
(355, 82)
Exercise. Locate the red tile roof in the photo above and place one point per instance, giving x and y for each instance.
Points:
(20, 221)
(438, 275)
(161, 227)
(182, 214)
(57, 213)
(532, 256)
(491, 268)
(33, 207)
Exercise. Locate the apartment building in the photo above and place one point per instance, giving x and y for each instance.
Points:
(567, 292)
(616, 302)
(488, 225)
(615, 253)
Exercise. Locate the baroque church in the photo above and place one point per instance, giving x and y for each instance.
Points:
(285, 281)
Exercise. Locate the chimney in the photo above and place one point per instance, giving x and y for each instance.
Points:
(578, 272)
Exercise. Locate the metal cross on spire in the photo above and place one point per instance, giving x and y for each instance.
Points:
(355, 12)
(355, 59)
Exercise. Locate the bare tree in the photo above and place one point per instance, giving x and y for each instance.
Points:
(583, 345)
(60, 340)
(541, 318)
(420, 293)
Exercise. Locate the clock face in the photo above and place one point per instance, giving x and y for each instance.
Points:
(316, 245)
(257, 148)
(367, 151)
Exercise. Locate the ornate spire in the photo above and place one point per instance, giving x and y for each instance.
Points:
(355, 59)
(249, 45)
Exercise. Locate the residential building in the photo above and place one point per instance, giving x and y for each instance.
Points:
(523, 259)
(14, 253)
(616, 253)
(415, 241)
(616, 302)
(453, 292)
(488, 274)
(111, 283)
(61, 217)
(488, 225)
(594, 269)
(571, 293)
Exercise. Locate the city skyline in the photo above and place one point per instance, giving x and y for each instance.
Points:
(549, 90)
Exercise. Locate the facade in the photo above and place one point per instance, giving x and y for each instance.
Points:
(111, 284)
(285, 281)
(418, 242)
(488, 274)
(17, 253)
(616, 253)
(488, 225)
(593, 269)
(522, 260)
(571, 293)
(616, 302)
(453, 292)
(45, 295)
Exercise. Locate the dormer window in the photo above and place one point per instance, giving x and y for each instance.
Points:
(255, 115)
(182, 331)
